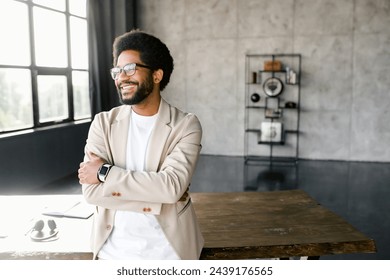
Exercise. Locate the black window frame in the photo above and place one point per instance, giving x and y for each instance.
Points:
(36, 71)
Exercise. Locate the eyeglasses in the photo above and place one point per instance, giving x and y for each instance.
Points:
(129, 70)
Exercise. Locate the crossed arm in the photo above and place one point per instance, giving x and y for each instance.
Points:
(168, 185)
(88, 172)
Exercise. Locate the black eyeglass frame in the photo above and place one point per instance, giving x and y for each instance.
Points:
(115, 76)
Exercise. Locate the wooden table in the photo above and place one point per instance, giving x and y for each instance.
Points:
(278, 224)
(242, 225)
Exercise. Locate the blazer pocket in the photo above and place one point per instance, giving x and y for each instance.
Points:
(182, 210)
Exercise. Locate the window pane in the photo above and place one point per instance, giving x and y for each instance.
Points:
(15, 42)
(52, 98)
(54, 4)
(50, 38)
(15, 99)
(81, 102)
(79, 43)
(78, 7)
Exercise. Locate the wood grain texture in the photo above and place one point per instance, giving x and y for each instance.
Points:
(273, 225)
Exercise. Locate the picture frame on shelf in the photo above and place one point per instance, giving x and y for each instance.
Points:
(273, 113)
(271, 132)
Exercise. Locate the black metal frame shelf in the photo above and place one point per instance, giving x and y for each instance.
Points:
(280, 110)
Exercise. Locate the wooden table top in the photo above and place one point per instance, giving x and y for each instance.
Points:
(278, 224)
(237, 225)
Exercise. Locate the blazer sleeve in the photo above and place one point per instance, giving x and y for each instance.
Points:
(166, 185)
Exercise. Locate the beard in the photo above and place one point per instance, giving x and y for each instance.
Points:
(143, 91)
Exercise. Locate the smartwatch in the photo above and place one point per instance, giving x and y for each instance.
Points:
(103, 172)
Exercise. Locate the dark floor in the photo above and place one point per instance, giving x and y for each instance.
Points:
(359, 192)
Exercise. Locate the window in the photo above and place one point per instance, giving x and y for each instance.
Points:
(43, 63)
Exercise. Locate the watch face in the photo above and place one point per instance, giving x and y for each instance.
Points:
(273, 87)
(103, 170)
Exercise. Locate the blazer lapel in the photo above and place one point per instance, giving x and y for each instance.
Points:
(120, 131)
(158, 137)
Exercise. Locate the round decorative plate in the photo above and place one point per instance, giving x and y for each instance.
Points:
(273, 87)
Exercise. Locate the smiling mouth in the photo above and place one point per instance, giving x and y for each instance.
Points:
(128, 86)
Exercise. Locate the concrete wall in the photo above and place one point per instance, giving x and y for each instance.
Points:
(345, 47)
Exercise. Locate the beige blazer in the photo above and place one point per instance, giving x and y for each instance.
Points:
(172, 154)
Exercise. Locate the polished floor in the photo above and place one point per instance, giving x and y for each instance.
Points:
(357, 191)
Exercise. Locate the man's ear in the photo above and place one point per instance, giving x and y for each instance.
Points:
(158, 75)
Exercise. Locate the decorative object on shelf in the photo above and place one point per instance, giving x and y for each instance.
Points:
(291, 76)
(273, 113)
(254, 77)
(271, 132)
(290, 105)
(255, 97)
(273, 87)
(272, 65)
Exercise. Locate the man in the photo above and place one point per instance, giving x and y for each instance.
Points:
(139, 160)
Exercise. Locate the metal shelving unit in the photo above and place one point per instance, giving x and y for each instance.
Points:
(272, 109)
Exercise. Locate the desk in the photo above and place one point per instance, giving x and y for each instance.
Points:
(242, 225)
(17, 216)
(278, 224)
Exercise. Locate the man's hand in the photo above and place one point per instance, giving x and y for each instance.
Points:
(88, 170)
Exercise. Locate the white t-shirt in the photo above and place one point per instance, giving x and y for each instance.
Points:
(137, 236)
